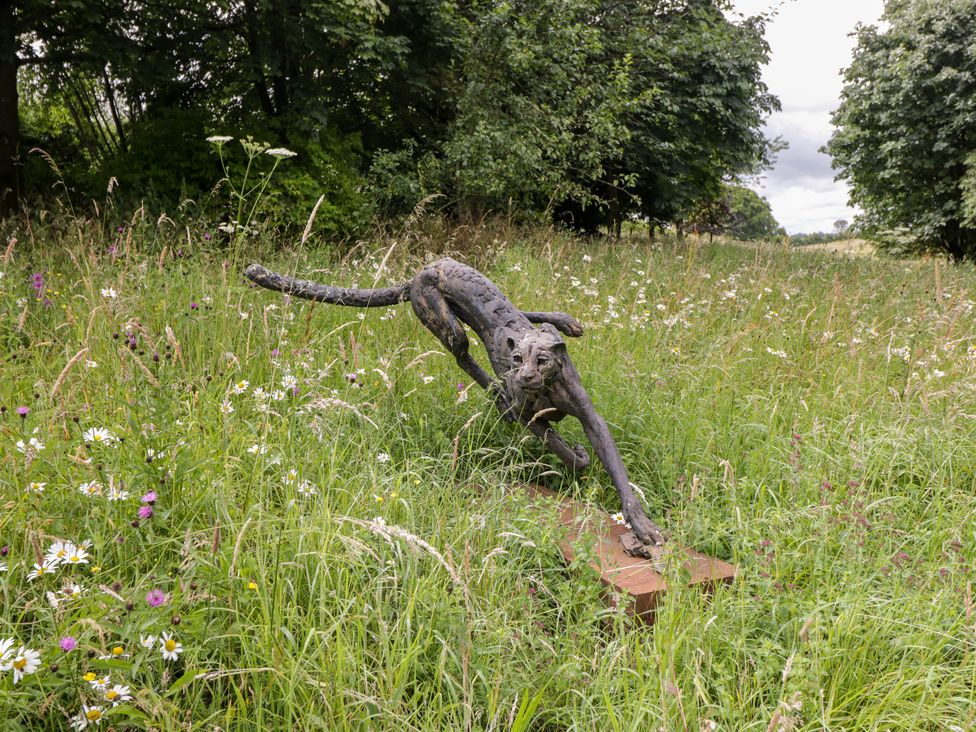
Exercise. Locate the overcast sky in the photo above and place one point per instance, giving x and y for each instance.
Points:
(809, 46)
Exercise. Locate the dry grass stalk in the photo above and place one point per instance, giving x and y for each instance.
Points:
(389, 532)
(171, 338)
(311, 219)
(237, 547)
(64, 372)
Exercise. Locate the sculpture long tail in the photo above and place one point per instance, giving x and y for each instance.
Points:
(356, 298)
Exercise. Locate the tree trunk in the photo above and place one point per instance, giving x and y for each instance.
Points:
(110, 93)
(9, 119)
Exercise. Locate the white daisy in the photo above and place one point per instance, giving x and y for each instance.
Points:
(33, 445)
(277, 395)
(307, 490)
(100, 684)
(117, 694)
(241, 386)
(291, 476)
(98, 436)
(72, 591)
(109, 292)
(169, 647)
(288, 382)
(382, 457)
(34, 487)
(260, 394)
(89, 716)
(116, 494)
(58, 551)
(148, 641)
(5, 645)
(91, 364)
(41, 569)
(76, 556)
(619, 518)
(226, 407)
(257, 449)
(25, 661)
(91, 489)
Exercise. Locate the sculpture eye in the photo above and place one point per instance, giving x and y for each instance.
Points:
(543, 360)
(517, 357)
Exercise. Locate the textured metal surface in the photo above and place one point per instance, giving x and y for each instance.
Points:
(639, 582)
(537, 383)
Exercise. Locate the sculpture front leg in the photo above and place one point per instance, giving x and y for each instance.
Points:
(646, 531)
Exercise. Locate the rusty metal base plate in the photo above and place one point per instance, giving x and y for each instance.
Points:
(639, 582)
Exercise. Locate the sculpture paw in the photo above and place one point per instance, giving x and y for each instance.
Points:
(582, 457)
(646, 531)
(573, 327)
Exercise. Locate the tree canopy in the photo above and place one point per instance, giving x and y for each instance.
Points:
(591, 110)
(906, 125)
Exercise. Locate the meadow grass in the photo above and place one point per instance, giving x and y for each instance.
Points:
(338, 537)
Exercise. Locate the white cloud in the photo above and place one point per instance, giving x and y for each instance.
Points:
(809, 46)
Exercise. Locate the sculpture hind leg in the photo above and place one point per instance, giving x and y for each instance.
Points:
(435, 313)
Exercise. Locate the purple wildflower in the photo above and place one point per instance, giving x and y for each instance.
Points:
(150, 497)
(23, 411)
(193, 306)
(206, 236)
(274, 353)
(68, 643)
(155, 598)
(145, 512)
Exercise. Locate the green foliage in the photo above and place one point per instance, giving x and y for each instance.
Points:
(699, 106)
(593, 108)
(168, 158)
(906, 126)
(540, 110)
(751, 215)
(739, 212)
(328, 165)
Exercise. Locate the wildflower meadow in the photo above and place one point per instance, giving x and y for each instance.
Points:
(224, 509)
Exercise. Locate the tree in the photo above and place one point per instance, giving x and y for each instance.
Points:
(539, 110)
(699, 103)
(751, 215)
(905, 136)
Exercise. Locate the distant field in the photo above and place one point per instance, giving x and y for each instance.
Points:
(852, 247)
(318, 509)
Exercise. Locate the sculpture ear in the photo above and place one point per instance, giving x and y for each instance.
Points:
(560, 345)
(511, 343)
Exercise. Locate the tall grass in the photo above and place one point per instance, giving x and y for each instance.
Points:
(809, 418)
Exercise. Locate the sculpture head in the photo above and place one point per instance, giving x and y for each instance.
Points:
(537, 359)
